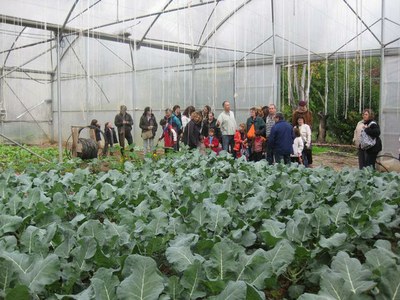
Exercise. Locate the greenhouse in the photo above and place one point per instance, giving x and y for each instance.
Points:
(200, 223)
(67, 62)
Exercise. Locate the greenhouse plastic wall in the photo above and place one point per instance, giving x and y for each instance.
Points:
(390, 106)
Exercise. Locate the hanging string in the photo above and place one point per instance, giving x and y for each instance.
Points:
(308, 60)
(361, 61)
(335, 90)
(215, 57)
(326, 86)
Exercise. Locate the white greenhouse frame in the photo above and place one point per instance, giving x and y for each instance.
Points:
(178, 52)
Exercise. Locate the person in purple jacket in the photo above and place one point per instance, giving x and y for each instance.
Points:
(281, 139)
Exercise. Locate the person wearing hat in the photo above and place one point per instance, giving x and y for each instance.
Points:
(303, 112)
(281, 139)
(124, 123)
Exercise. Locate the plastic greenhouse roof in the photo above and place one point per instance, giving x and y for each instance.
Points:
(213, 31)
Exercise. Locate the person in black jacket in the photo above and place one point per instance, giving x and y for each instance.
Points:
(110, 137)
(191, 135)
(124, 123)
(371, 127)
(211, 122)
(148, 123)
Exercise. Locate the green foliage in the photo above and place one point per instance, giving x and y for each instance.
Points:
(19, 159)
(196, 227)
(344, 94)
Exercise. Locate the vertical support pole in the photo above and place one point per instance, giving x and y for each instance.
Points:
(234, 88)
(274, 73)
(87, 80)
(51, 117)
(2, 106)
(133, 80)
(381, 86)
(59, 126)
(193, 84)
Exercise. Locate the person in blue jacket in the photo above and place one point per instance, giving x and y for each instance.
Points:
(281, 139)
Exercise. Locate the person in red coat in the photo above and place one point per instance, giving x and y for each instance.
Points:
(211, 141)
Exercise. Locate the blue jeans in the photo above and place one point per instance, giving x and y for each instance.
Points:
(279, 157)
(228, 140)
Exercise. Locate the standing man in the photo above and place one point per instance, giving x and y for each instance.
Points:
(227, 123)
(269, 123)
(124, 123)
(281, 139)
(302, 112)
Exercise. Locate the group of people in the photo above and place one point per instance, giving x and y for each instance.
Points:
(265, 135)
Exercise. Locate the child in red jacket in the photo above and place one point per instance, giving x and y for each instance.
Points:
(169, 135)
(240, 141)
(211, 141)
(258, 147)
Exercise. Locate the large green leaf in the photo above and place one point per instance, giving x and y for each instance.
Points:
(334, 241)
(84, 252)
(33, 240)
(142, 281)
(356, 277)
(199, 214)
(174, 289)
(191, 279)
(20, 292)
(93, 228)
(382, 257)
(34, 271)
(338, 212)
(9, 223)
(389, 287)
(105, 284)
(7, 275)
(181, 257)
(222, 262)
(218, 217)
(235, 290)
(280, 256)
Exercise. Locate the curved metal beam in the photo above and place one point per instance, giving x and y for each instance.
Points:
(83, 11)
(13, 44)
(153, 14)
(221, 24)
(155, 20)
(362, 21)
(60, 32)
(208, 20)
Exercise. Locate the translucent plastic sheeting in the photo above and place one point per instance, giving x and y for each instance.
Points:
(171, 52)
(390, 106)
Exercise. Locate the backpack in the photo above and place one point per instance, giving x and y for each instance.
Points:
(366, 141)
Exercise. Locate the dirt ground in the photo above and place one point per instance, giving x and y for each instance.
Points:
(335, 160)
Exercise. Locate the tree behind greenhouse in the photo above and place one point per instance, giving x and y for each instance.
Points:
(345, 96)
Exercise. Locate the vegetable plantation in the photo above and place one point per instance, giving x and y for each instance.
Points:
(199, 227)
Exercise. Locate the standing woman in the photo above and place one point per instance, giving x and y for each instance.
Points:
(191, 135)
(255, 125)
(211, 122)
(371, 128)
(186, 116)
(148, 124)
(305, 133)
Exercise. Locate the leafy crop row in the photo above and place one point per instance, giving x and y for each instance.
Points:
(195, 227)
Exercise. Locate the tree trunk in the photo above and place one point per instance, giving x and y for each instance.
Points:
(321, 137)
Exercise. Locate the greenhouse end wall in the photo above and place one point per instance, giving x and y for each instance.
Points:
(390, 106)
